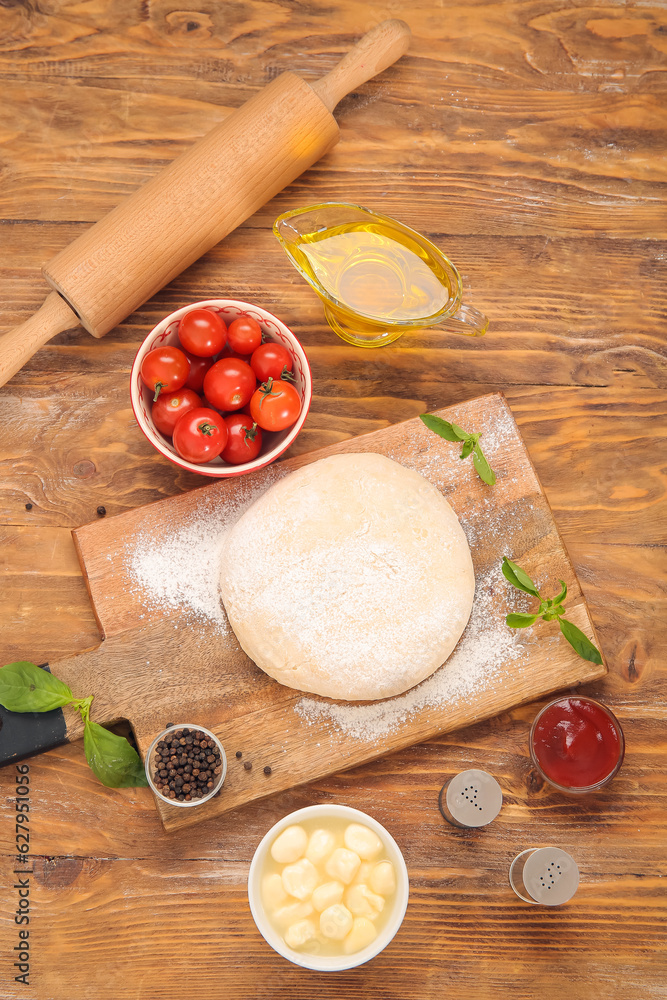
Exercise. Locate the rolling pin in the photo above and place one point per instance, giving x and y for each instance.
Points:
(164, 226)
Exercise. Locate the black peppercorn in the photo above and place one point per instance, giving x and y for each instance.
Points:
(267, 769)
(28, 506)
(101, 510)
(239, 754)
(177, 770)
(248, 765)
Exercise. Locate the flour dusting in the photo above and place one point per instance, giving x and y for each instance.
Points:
(180, 569)
(476, 664)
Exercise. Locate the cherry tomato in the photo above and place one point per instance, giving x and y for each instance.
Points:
(244, 439)
(198, 368)
(200, 435)
(275, 405)
(169, 407)
(244, 335)
(229, 384)
(202, 332)
(164, 368)
(271, 360)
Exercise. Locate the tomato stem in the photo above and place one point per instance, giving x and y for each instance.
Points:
(159, 386)
(206, 428)
(267, 390)
(286, 375)
(250, 434)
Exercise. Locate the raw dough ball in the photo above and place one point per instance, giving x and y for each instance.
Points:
(300, 878)
(375, 588)
(290, 845)
(336, 922)
(362, 841)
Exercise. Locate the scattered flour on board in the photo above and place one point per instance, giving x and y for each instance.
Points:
(476, 665)
(180, 568)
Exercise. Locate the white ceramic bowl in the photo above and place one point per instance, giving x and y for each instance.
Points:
(150, 767)
(166, 333)
(328, 963)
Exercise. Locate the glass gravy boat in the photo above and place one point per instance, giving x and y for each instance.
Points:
(376, 277)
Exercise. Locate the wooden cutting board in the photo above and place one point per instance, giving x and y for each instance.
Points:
(160, 664)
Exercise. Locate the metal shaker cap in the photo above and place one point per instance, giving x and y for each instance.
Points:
(548, 875)
(471, 798)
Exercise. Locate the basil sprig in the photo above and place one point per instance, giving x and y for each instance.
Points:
(25, 687)
(470, 444)
(548, 611)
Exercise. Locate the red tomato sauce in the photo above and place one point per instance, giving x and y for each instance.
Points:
(577, 743)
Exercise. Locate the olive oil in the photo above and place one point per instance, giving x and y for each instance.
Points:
(377, 278)
(374, 270)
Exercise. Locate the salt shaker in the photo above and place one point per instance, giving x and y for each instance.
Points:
(470, 799)
(544, 875)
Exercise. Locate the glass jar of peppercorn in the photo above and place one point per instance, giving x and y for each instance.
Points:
(186, 765)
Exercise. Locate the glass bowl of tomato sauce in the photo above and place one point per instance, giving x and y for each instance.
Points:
(576, 744)
(273, 330)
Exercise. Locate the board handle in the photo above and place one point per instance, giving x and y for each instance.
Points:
(24, 734)
(378, 49)
(19, 345)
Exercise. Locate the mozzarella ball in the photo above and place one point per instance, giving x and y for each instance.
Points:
(300, 878)
(327, 894)
(320, 846)
(362, 934)
(362, 841)
(336, 922)
(364, 873)
(343, 865)
(287, 915)
(290, 845)
(273, 891)
(300, 933)
(383, 878)
(362, 902)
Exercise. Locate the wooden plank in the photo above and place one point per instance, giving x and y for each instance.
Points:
(507, 126)
(246, 708)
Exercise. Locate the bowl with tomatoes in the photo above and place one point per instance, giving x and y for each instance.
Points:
(221, 387)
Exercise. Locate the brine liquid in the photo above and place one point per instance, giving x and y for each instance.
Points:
(376, 271)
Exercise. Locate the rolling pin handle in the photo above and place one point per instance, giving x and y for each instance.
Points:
(19, 345)
(378, 49)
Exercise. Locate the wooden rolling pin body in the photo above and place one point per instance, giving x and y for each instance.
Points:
(115, 266)
(193, 203)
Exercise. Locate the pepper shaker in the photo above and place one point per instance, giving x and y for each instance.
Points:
(470, 799)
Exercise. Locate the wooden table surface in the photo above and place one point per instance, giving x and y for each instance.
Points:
(528, 141)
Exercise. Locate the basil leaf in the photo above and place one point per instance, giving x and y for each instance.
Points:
(518, 578)
(467, 448)
(580, 643)
(112, 759)
(460, 433)
(25, 687)
(563, 594)
(443, 427)
(484, 470)
(521, 621)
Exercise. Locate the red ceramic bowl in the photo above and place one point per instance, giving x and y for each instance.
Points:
(166, 332)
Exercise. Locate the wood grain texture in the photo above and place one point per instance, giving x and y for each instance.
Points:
(528, 141)
(144, 668)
